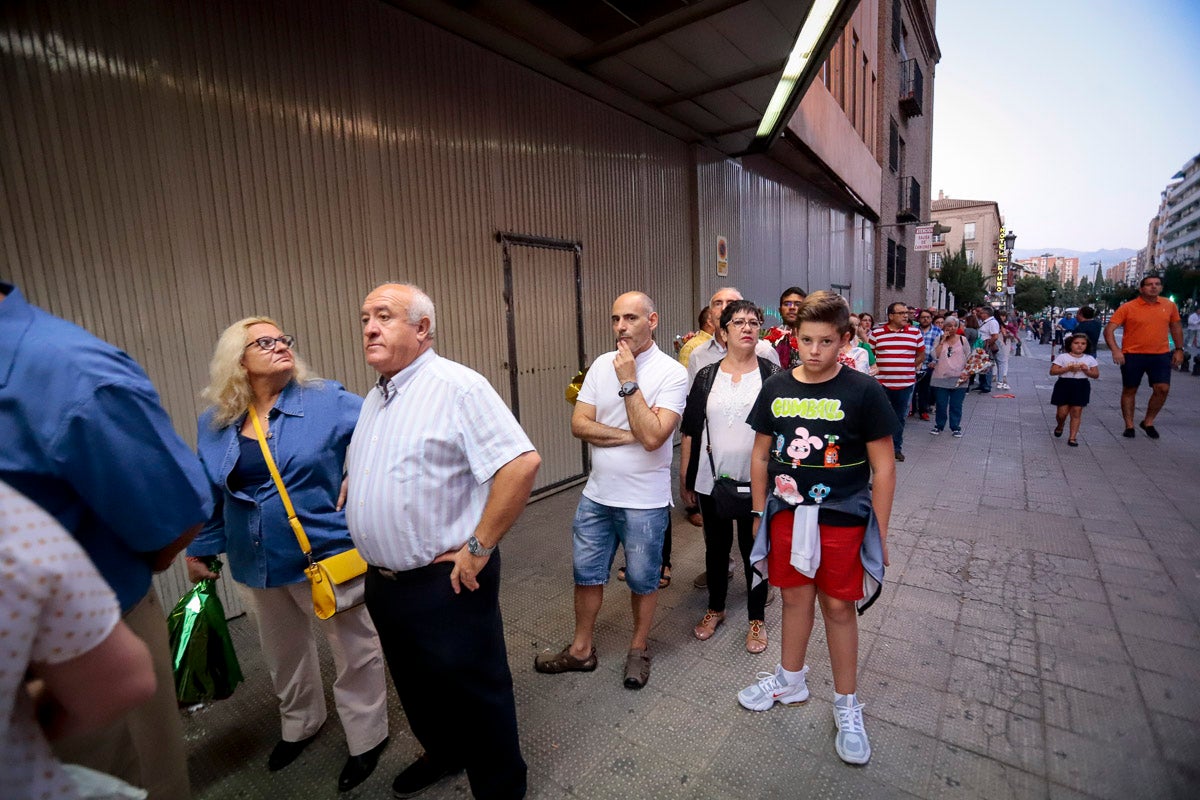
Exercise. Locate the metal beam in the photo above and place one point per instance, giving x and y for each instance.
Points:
(668, 23)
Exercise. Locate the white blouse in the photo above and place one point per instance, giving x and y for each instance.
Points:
(728, 406)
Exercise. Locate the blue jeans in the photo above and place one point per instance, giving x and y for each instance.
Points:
(598, 529)
(899, 398)
(954, 399)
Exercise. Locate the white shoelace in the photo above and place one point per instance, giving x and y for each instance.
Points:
(768, 681)
(850, 718)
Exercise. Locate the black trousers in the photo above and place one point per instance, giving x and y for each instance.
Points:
(718, 539)
(923, 395)
(447, 657)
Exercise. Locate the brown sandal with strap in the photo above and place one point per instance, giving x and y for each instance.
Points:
(708, 626)
(637, 669)
(756, 639)
(555, 663)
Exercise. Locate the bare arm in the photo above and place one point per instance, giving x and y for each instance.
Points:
(1177, 337)
(509, 494)
(687, 495)
(70, 702)
(584, 426)
(651, 427)
(883, 485)
(164, 557)
(1057, 369)
(758, 476)
(1111, 339)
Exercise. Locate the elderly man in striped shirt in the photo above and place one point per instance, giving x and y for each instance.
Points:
(899, 353)
(439, 470)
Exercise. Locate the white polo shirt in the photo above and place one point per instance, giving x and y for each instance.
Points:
(627, 476)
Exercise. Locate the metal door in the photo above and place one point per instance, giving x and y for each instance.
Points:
(545, 349)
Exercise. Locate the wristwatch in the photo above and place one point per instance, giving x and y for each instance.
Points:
(627, 388)
(475, 548)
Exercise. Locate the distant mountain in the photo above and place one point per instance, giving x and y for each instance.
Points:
(1106, 257)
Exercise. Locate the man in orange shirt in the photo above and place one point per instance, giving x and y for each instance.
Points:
(1145, 350)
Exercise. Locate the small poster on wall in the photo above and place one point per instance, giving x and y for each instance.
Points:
(722, 257)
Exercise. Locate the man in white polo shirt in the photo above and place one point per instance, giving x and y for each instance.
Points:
(628, 409)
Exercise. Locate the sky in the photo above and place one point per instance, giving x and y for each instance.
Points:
(1072, 114)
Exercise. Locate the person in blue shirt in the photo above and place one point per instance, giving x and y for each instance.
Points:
(86, 438)
(308, 423)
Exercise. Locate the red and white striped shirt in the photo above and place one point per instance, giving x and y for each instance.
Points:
(896, 354)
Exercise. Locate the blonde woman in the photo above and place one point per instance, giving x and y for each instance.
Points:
(308, 423)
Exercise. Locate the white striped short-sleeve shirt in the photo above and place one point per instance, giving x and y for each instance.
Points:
(421, 461)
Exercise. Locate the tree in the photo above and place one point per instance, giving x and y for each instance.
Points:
(1032, 295)
(965, 281)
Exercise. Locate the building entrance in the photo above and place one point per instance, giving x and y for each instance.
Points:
(545, 349)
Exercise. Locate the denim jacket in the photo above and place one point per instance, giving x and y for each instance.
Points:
(872, 547)
(309, 431)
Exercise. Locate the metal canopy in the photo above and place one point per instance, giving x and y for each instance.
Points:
(701, 70)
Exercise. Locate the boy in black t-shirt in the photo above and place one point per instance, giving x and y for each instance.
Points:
(821, 431)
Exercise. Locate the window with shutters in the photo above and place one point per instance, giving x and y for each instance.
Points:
(891, 263)
(896, 24)
(901, 265)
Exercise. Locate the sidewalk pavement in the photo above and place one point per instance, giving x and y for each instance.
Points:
(1038, 635)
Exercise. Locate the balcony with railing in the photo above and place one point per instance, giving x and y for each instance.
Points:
(912, 88)
(908, 203)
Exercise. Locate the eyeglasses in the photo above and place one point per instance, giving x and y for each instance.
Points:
(791, 303)
(268, 343)
(750, 324)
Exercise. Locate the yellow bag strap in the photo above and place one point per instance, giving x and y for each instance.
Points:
(297, 528)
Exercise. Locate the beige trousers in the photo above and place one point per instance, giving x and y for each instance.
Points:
(145, 747)
(284, 615)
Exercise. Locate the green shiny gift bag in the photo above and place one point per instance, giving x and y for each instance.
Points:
(206, 668)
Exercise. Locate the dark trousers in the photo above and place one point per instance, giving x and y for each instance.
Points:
(718, 539)
(447, 657)
(923, 394)
(899, 398)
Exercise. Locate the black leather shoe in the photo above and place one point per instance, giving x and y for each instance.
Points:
(358, 768)
(287, 752)
(420, 775)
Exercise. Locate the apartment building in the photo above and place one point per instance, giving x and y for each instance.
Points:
(1044, 265)
(1178, 240)
(976, 226)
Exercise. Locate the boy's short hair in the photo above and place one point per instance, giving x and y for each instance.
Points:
(826, 307)
(1087, 312)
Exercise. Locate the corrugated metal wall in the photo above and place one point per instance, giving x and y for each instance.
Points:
(781, 233)
(170, 167)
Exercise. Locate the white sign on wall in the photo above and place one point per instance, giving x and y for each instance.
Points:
(923, 240)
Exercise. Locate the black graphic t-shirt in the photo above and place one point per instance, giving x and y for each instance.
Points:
(819, 434)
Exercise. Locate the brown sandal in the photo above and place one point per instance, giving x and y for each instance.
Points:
(708, 626)
(637, 669)
(756, 639)
(555, 663)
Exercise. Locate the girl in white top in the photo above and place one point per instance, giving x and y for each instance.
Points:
(852, 354)
(1072, 390)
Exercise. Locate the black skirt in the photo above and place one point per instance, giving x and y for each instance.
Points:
(1071, 392)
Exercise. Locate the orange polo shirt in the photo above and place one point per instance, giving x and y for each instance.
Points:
(1146, 325)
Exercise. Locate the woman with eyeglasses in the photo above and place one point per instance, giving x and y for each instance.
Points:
(307, 423)
(714, 420)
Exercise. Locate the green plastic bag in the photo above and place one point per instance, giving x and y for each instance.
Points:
(206, 668)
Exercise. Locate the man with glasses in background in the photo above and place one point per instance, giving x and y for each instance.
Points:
(783, 337)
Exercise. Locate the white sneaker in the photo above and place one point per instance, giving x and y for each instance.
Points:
(772, 688)
(851, 742)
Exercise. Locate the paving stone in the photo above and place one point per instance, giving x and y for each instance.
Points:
(995, 732)
(1098, 716)
(962, 773)
(1176, 696)
(1168, 659)
(1162, 629)
(916, 662)
(1103, 769)
(1094, 672)
(902, 702)
(997, 649)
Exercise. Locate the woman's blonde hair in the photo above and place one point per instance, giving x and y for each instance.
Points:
(228, 385)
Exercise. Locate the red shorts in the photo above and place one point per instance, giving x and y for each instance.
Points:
(840, 575)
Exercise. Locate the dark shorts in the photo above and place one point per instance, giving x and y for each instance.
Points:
(1156, 366)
